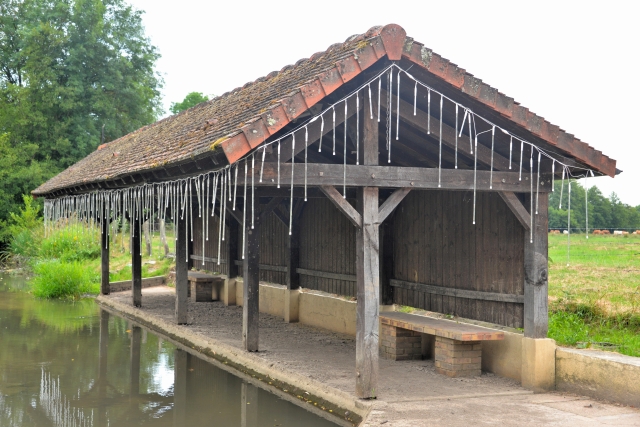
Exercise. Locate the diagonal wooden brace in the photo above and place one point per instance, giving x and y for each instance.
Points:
(342, 204)
(517, 208)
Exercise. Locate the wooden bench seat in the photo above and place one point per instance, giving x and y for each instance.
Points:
(458, 346)
(204, 287)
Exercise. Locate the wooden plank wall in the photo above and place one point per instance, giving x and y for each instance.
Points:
(436, 243)
(273, 247)
(328, 244)
(210, 246)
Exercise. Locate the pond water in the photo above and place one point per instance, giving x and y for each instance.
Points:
(68, 363)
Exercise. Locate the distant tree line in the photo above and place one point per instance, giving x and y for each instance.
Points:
(604, 212)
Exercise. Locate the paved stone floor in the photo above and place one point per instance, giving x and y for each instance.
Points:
(410, 393)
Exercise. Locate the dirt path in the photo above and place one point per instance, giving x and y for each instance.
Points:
(411, 393)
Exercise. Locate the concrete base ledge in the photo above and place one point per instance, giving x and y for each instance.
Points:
(599, 374)
(147, 282)
(246, 363)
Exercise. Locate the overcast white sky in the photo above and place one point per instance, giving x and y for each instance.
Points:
(574, 63)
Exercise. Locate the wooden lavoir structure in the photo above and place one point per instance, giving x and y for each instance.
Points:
(377, 170)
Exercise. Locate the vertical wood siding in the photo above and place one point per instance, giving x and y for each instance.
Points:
(210, 246)
(328, 244)
(437, 244)
(273, 246)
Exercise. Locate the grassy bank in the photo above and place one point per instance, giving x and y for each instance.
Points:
(65, 261)
(594, 298)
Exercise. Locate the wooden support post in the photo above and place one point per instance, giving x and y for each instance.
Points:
(136, 263)
(134, 377)
(368, 294)
(232, 247)
(368, 274)
(104, 259)
(180, 388)
(182, 271)
(536, 286)
(251, 287)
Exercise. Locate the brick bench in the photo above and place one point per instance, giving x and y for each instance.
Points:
(458, 346)
(204, 287)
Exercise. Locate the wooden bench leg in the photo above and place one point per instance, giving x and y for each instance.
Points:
(458, 358)
(399, 344)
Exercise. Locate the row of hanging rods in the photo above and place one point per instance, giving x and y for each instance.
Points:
(174, 198)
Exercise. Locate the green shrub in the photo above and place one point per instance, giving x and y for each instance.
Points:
(71, 244)
(60, 279)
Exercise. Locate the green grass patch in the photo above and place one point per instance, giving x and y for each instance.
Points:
(62, 279)
(594, 292)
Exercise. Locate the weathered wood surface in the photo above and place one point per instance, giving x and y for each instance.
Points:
(327, 275)
(458, 293)
(368, 288)
(232, 248)
(211, 246)
(342, 204)
(292, 253)
(182, 271)
(517, 208)
(386, 261)
(391, 203)
(265, 267)
(419, 121)
(206, 260)
(136, 264)
(250, 283)
(274, 236)
(395, 177)
(104, 259)
(436, 243)
(440, 327)
(327, 244)
(536, 286)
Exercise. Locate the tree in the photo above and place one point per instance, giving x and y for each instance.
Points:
(604, 213)
(192, 99)
(68, 67)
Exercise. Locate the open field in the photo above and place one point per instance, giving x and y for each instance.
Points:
(594, 293)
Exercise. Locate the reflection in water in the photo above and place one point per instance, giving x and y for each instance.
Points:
(72, 364)
(57, 407)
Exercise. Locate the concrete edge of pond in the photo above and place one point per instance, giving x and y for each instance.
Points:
(250, 366)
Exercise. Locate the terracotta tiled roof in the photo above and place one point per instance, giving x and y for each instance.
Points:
(242, 119)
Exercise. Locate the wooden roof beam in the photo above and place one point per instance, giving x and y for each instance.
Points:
(319, 175)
